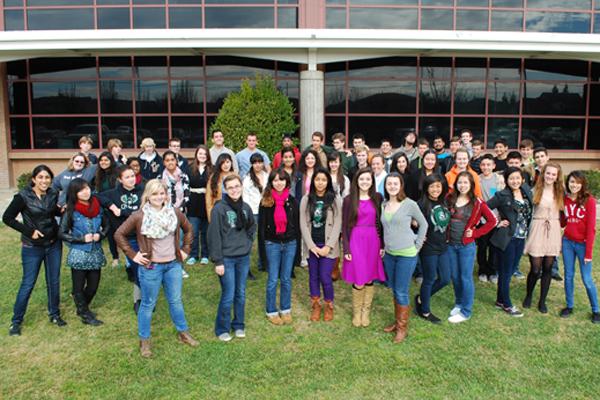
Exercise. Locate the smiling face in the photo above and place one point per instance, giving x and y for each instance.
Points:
(278, 184)
(42, 181)
(438, 145)
(574, 185)
(320, 181)
(175, 146)
(287, 142)
(316, 142)
(157, 199)
(463, 185)
(201, 156)
(288, 159)
(487, 167)
(513, 162)
(218, 138)
(462, 160)
(386, 148)
(78, 163)
(334, 165)
(550, 176)
(377, 165)
(526, 152)
(500, 149)
(127, 179)
(251, 142)
(226, 166)
(148, 149)
(365, 181)
(393, 186)
(258, 166)
(401, 164)
(135, 166)
(515, 180)
(104, 162)
(84, 194)
(338, 144)
(541, 158)
(234, 189)
(434, 190)
(362, 157)
(310, 160)
(429, 161)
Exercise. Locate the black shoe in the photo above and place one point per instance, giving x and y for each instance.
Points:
(15, 330)
(527, 302)
(557, 277)
(136, 306)
(595, 318)
(58, 321)
(251, 276)
(431, 318)
(499, 305)
(418, 307)
(130, 276)
(542, 308)
(566, 312)
(88, 319)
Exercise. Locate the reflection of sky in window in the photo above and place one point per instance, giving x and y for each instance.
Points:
(437, 19)
(59, 2)
(558, 22)
(115, 89)
(335, 18)
(384, 71)
(13, 20)
(50, 89)
(597, 22)
(568, 4)
(287, 17)
(362, 89)
(151, 90)
(385, 2)
(472, 3)
(61, 19)
(507, 21)
(383, 18)
(534, 90)
(239, 17)
(507, 3)
(113, 18)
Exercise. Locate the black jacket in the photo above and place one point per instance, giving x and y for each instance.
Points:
(128, 201)
(504, 202)
(37, 213)
(196, 206)
(266, 226)
(152, 169)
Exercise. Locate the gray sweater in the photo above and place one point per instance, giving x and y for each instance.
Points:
(398, 233)
(224, 240)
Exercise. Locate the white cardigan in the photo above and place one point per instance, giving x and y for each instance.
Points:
(251, 194)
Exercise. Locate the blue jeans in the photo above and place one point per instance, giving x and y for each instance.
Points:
(167, 275)
(31, 258)
(233, 292)
(573, 250)
(507, 265)
(436, 275)
(399, 271)
(199, 228)
(133, 265)
(280, 261)
(462, 259)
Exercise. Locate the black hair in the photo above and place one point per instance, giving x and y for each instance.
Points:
(511, 170)
(487, 157)
(37, 170)
(329, 196)
(394, 166)
(302, 167)
(254, 158)
(335, 155)
(514, 154)
(428, 181)
(76, 186)
(108, 174)
(501, 141)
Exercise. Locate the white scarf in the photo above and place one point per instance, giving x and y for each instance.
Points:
(158, 224)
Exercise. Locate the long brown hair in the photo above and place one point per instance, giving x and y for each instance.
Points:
(355, 197)
(558, 188)
(584, 194)
(194, 168)
(218, 174)
(267, 199)
(453, 196)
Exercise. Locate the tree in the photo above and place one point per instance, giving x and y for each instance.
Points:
(261, 109)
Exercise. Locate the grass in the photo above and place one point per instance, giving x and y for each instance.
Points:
(492, 356)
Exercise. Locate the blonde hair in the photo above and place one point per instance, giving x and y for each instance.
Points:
(113, 143)
(152, 187)
(361, 149)
(86, 139)
(86, 160)
(147, 142)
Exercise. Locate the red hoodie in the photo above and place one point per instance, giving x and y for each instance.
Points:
(480, 210)
(580, 223)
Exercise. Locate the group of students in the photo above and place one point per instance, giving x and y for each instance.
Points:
(380, 216)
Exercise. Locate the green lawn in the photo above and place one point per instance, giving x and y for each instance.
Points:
(490, 356)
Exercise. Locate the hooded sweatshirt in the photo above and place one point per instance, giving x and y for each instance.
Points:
(580, 223)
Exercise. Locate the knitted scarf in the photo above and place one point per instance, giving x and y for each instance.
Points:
(90, 210)
(158, 224)
(279, 216)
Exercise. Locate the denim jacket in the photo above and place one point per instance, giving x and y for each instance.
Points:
(80, 226)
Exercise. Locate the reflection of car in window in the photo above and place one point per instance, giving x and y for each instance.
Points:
(90, 130)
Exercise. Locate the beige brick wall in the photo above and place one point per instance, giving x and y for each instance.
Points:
(6, 179)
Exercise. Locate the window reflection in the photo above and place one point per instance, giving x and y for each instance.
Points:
(503, 128)
(287, 17)
(508, 69)
(594, 99)
(335, 18)
(472, 3)
(229, 67)
(503, 97)
(50, 68)
(239, 17)
(190, 130)
(388, 68)
(64, 98)
(187, 96)
(334, 125)
(383, 18)
(113, 18)
(185, 17)
(216, 91)
(475, 125)
(558, 22)
(58, 19)
(63, 132)
(430, 127)
(436, 68)
(472, 20)
(437, 19)
(555, 133)
(115, 97)
(470, 68)
(115, 67)
(150, 67)
(556, 70)
(118, 128)
(469, 98)
(593, 137)
(292, 90)
(572, 4)
(507, 21)
(382, 97)
(507, 3)
(17, 98)
(377, 128)
(435, 97)
(19, 133)
(148, 18)
(185, 67)
(13, 20)
(155, 127)
(335, 97)
(151, 96)
(553, 99)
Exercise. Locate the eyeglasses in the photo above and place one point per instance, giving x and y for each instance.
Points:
(78, 162)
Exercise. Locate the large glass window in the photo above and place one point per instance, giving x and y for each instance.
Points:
(58, 19)
(555, 133)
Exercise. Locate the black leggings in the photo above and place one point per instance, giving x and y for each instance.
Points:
(85, 282)
(540, 266)
(112, 244)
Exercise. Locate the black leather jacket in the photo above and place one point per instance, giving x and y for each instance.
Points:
(37, 213)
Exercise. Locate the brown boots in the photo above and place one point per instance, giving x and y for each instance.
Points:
(400, 326)
(145, 350)
(328, 313)
(315, 315)
(186, 338)
(361, 305)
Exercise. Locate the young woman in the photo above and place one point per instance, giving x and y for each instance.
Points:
(363, 244)
(83, 226)
(230, 243)
(114, 147)
(461, 164)
(578, 241)
(401, 248)
(320, 225)
(214, 191)
(253, 186)
(120, 203)
(544, 241)
(200, 170)
(309, 162)
(341, 183)
(514, 205)
(278, 236)
(106, 179)
(37, 204)
(466, 211)
(157, 226)
(151, 162)
(434, 253)
(176, 181)
(134, 164)
(78, 167)
(401, 165)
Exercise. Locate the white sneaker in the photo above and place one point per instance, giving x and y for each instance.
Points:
(483, 278)
(184, 273)
(454, 311)
(304, 263)
(191, 261)
(203, 261)
(419, 280)
(457, 319)
(493, 279)
(225, 337)
(240, 333)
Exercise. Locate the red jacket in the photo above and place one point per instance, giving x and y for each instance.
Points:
(480, 209)
(580, 223)
(277, 158)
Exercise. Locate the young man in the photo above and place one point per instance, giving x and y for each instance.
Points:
(408, 148)
(286, 142)
(317, 144)
(447, 163)
(339, 144)
(358, 141)
(439, 145)
(218, 148)
(526, 150)
(477, 148)
(466, 137)
(422, 147)
(491, 182)
(501, 150)
(386, 152)
(514, 159)
(85, 145)
(243, 156)
(182, 162)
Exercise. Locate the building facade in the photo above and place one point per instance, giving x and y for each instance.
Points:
(129, 69)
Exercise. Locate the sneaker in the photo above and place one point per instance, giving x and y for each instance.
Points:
(191, 261)
(58, 321)
(419, 280)
(527, 302)
(418, 308)
(493, 279)
(286, 318)
(275, 319)
(136, 306)
(431, 318)
(454, 311)
(499, 305)
(595, 318)
(557, 277)
(15, 330)
(513, 311)
(224, 337)
(483, 278)
(304, 263)
(184, 273)
(566, 312)
(203, 261)
(519, 275)
(458, 318)
(240, 333)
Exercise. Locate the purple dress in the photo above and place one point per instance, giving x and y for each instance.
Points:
(366, 264)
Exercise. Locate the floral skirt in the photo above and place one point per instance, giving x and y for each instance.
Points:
(81, 259)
